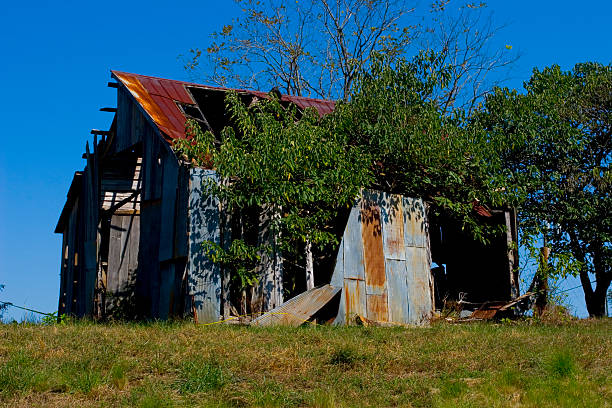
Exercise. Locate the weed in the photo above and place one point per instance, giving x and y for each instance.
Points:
(453, 388)
(150, 396)
(273, 394)
(562, 364)
(199, 375)
(345, 356)
(118, 376)
(323, 399)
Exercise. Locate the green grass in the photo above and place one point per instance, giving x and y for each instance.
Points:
(181, 364)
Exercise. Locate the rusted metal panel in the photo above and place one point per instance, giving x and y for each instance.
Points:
(143, 97)
(204, 276)
(353, 247)
(371, 236)
(377, 307)
(399, 309)
(171, 111)
(393, 227)
(299, 309)
(152, 85)
(415, 222)
(420, 285)
(170, 89)
(157, 96)
(354, 299)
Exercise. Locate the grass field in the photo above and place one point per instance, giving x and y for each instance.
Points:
(181, 364)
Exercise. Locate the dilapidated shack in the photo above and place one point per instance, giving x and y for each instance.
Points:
(136, 217)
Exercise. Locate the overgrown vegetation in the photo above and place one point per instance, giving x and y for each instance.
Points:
(559, 364)
(555, 141)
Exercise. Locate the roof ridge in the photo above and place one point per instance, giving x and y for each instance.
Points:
(195, 84)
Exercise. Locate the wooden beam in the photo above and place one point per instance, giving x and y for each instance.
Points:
(107, 109)
(113, 85)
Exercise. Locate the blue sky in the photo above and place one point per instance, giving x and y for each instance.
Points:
(56, 58)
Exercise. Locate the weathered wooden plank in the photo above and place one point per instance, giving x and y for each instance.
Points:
(62, 290)
(397, 291)
(148, 277)
(123, 137)
(122, 258)
(204, 220)
(420, 285)
(180, 292)
(181, 221)
(353, 246)
(140, 127)
(71, 260)
(166, 289)
(168, 210)
(89, 222)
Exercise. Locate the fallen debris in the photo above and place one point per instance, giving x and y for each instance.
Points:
(300, 309)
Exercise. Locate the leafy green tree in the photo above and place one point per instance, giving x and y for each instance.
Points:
(556, 143)
(393, 135)
(415, 147)
(276, 157)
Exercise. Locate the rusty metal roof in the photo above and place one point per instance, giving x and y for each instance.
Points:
(158, 97)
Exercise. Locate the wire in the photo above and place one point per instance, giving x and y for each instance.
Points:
(25, 308)
(575, 287)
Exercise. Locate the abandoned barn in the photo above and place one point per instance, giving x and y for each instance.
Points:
(136, 218)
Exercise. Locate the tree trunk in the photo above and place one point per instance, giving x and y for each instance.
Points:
(541, 285)
(309, 266)
(269, 291)
(596, 299)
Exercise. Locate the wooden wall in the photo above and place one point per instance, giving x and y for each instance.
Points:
(125, 235)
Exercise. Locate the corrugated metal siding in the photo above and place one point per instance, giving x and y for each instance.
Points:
(384, 269)
(204, 222)
(299, 309)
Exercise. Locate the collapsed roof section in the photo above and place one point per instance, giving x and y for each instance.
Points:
(168, 103)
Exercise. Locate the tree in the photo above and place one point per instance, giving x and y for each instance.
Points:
(303, 47)
(556, 143)
(465, 42)
(277, 159)
(415, 146)
(318, 47)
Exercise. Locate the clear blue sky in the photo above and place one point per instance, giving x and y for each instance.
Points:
(56, 58)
